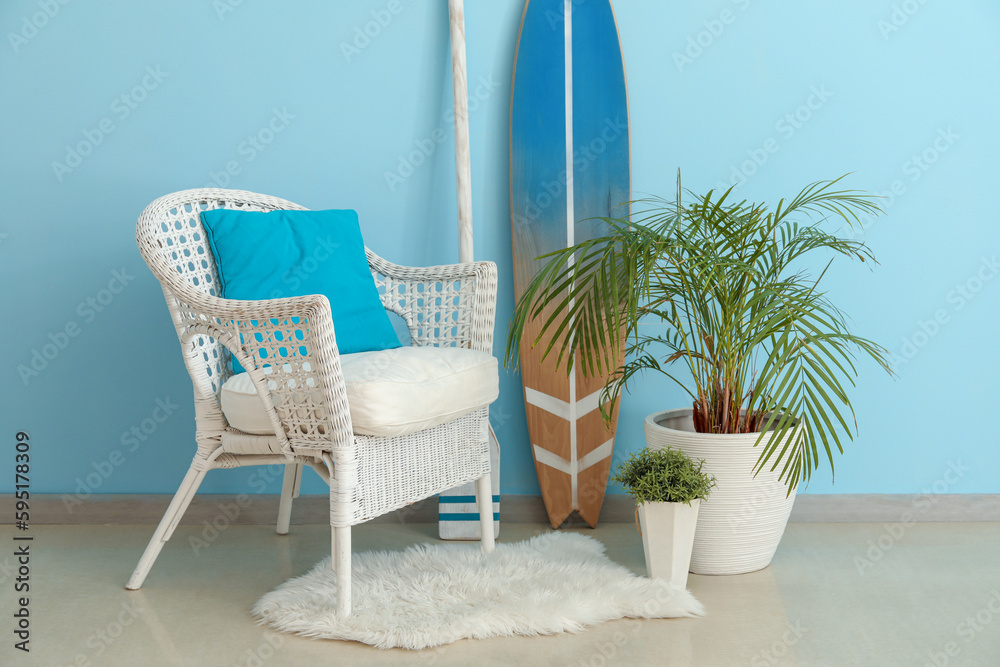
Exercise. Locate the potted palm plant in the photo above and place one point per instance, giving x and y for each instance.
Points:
(668, 487)
(718, 296)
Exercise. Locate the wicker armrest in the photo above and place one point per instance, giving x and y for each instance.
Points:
(302, 387)
(447, 305)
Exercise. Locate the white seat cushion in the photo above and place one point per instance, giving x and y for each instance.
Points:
(390, 392)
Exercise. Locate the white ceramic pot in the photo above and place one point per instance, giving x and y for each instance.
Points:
(667, 538)
(741, 523)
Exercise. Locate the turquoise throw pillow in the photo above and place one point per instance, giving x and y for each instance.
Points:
(281, 254)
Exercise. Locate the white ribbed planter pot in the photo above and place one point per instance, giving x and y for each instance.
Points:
(741, 523)
(667, 539)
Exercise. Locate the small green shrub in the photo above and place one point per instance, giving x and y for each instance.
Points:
(664, 476)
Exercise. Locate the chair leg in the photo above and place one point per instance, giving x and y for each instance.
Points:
(298, 480)
(341, 545)
(484, 498)
(179, 505)
(289, 490)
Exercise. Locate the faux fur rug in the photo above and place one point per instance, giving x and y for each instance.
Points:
(430, 595)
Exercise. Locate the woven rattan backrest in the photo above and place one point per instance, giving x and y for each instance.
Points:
(178, 236)
(173, 243)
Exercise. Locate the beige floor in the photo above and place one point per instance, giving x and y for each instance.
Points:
(832, 596)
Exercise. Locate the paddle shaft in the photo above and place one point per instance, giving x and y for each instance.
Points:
(463, 162)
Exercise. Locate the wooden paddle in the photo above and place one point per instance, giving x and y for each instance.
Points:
(468, 527)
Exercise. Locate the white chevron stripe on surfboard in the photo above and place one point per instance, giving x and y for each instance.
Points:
(546, 457)
(571, 412)
(561, 408)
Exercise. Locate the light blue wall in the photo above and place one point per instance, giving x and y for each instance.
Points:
(887, 95)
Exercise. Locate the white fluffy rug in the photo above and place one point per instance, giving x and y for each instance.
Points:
(430, 595)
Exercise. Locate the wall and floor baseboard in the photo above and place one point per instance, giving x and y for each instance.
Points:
(261, 509)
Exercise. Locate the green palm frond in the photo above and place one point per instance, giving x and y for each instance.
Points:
(764, 346)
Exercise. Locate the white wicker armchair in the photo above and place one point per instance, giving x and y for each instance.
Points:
(305, 396)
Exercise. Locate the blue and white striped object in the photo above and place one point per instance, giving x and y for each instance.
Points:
(458, 515)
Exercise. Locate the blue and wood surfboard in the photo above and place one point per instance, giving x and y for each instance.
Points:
(569, 163)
